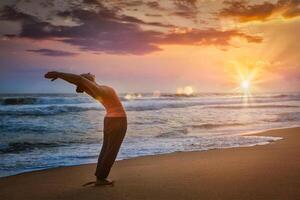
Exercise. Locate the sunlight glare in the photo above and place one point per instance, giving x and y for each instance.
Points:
(245, 85)
(187, 91)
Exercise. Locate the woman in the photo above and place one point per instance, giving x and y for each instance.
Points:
(115, 121)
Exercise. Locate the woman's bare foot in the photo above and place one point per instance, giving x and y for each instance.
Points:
(99, 182)
(103, 182)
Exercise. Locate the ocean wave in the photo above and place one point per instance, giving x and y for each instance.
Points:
(179, 95)
(7, 101)
(212, 126)
(233, 95)
(285, 117)
(292, 96)
(16, 147)
(173, 133)
(65, 108)
(47, 110)
(42, 110)
(223, 142)
(18, 101)
(206, 126)
(282, 96)
(252, 106)
(36, 99)
(53, 105)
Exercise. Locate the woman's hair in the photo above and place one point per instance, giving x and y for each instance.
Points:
(88, 76)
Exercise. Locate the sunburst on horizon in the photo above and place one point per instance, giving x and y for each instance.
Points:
(247, 74)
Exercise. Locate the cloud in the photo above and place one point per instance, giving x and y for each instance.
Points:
(51, 52)
(185, 14)
(12, 14)
(97, 31)
(108, 33)
(105, 30)
(245, 12)
(133, 3)
(131, 19)
(185, 4)
(292, 8)
(186, 9)
(153, 15)
(207, 37)
(154, 5)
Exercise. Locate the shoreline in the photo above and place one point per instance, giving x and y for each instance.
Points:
(258, 172)
(254, 133)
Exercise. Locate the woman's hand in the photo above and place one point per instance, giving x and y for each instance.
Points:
(53, 75)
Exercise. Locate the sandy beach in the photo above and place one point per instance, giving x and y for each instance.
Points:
(261, 172)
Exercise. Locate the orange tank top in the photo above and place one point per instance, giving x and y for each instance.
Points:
(112, 103)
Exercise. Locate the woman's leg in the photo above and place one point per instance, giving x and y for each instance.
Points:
(104, 146)
(118, 128)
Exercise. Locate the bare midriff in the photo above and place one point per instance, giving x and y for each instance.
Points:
(112, 104)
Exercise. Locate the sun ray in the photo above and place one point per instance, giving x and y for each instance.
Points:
(247, 77)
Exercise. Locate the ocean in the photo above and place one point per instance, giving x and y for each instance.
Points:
(40, 131)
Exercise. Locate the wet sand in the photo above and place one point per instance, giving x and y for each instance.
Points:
(261, 172)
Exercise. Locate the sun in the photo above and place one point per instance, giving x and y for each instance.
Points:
(245, 89)
(246, 75)
(245, 85)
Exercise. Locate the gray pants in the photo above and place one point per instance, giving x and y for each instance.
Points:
(114, 132)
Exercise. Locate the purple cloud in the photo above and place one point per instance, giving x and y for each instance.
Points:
(104, 30)
(51, 52)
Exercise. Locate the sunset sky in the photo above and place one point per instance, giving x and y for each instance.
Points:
(145, 46)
